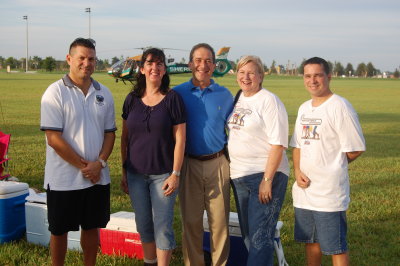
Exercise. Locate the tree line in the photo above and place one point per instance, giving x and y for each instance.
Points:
(362, 70)
(338, 70)
(50, 63)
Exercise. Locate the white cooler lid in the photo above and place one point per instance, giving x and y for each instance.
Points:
(36, 197)
(233, 220)
(234, 226)
(8, 187)
(122, 221)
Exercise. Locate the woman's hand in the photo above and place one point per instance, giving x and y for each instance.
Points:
(124, 183)
(273, 162)
(265, 191)
(170, 185)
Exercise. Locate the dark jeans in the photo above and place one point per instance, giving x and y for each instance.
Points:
(257, 220)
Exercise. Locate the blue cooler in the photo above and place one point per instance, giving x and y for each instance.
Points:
(238, 251)
(12, 210)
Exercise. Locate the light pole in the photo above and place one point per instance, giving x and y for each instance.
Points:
(88, 11)
(26, 64)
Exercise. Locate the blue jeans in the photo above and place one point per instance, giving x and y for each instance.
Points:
(154, 212)
(257, 220)
(329, 229)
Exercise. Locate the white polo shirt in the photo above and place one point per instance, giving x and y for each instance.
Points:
(83, 120)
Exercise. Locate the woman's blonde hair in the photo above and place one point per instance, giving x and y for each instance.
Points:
(244, 60)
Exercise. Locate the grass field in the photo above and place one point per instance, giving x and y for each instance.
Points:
(374, 212)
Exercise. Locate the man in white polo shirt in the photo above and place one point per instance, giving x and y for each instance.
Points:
(77, 115)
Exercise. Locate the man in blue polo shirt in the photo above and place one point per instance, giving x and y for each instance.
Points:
(205, 171)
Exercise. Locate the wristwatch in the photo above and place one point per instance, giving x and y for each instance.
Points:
(177, 173)
(103, 163)
(267, 179)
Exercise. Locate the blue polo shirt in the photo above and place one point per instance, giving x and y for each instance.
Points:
(207, 111)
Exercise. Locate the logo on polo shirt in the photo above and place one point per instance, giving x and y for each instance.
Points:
(100, 100)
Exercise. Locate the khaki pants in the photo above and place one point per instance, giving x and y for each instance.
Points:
(205, 186)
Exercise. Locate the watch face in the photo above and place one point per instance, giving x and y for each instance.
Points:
(103, 163)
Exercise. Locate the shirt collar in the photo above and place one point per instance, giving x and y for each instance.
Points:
(210, 87)
(68, 82)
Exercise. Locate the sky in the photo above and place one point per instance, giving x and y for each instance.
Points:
(346, 31)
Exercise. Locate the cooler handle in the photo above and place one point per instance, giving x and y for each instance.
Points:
(19, 202)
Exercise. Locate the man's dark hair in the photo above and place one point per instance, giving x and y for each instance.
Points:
(88, 43)
(318, 61)
(202, 45)
(140, 85)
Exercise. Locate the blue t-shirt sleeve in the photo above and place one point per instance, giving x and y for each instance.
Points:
(176, 108)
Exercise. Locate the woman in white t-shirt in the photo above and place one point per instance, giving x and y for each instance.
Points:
(258, 138)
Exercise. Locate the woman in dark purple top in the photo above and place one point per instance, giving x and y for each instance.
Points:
(152, 150)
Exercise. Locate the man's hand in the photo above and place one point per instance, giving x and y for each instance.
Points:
(92, 170)
(170, 185)
(301, 179)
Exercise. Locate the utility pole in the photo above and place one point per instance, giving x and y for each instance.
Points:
(26, 64)
(88, 11)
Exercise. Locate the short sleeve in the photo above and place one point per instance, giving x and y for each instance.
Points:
(51, 110)
(349, 129)
(275, 121)
(127, 106)
(295, 140)
(110, 125)
(176, 108)
(296, 137)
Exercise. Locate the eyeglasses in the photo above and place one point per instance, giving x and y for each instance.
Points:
(83, 40)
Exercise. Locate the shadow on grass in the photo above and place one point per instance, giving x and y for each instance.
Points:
(379, 117)
(382, 146)
(378, 181)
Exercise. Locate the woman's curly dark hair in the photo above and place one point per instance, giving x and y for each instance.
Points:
(140, 85)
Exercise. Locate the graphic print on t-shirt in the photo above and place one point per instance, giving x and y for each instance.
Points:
(237, 117)
(310, 126)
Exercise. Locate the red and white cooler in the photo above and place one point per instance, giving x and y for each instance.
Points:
(120, 236)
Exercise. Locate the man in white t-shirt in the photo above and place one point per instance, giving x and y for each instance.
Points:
(77, 115)
(327, 137)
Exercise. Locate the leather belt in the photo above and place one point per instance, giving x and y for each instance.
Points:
(206, 157)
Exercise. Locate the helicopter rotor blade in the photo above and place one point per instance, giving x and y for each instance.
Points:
(176, 49)
(162, 48)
